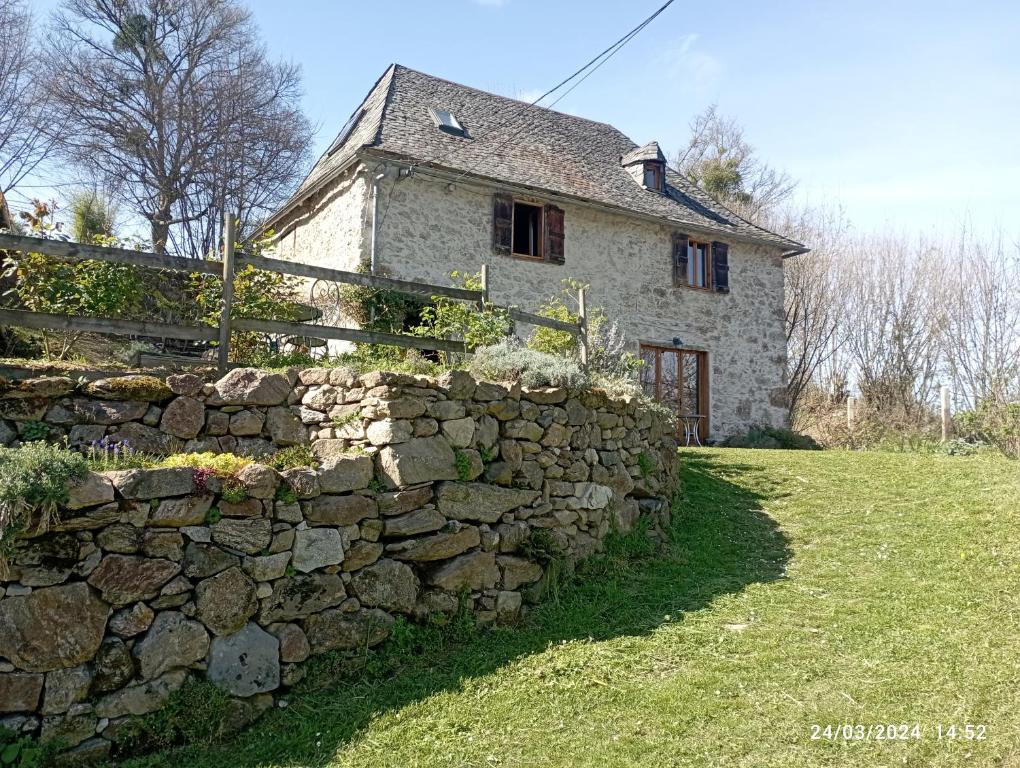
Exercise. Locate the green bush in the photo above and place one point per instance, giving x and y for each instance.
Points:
(994, 423)
(19, 751)
(509, 361)
(448, 318)
(34, 479)
(765, 436)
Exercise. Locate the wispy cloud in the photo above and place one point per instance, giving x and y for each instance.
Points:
(684, 61)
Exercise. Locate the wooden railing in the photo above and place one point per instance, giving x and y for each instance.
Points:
(232, 259)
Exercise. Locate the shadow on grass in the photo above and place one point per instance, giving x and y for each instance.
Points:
(722, 541)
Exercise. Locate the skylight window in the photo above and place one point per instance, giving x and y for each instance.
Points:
(447, 122)
(345, 132)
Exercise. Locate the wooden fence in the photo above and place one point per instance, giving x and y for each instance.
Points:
(227, 268)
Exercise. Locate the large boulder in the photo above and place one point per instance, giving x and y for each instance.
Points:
(302, 595)
(142, 698)
(251, 386)
(479, 501)
(413, 523)
(250, 535)
(340, 510)
(153, 483)
(20, 691)
(399, 502)
(517, 571)
(340, 474)
(204, 560)
(172, 642)
(285, 427)
(184, 417)
(388, 584)
(226, 601)
(337, 630)
(52, 628)
(473, 571)
(246, 662)
(177, 513)
(65, 687)
(420, 460)
(451, 541)
(93, 490)
(124, 579)
(131, 387)
(316, 548)
(106, 412)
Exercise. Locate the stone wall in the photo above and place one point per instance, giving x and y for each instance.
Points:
(432, 228)
(427, 494)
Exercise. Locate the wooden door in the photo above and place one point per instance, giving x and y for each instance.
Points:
(678, 378)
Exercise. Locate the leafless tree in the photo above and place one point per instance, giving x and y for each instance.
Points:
(892, 290)
(719, 159)
(23, 107)
(176, 105)
(982, 330)
(812, 308)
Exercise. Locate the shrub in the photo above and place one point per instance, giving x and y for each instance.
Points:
(448, 318)
(509, 361)
(110, 454)
(765, 436)
(195, 713)
(220, 464)
(995, 423)
(33, 479)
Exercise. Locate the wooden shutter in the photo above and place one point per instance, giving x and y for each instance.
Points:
(554, 235)
(721, 267)
(680, 243)
(502, 223)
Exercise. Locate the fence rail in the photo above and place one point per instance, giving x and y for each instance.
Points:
(227, 268)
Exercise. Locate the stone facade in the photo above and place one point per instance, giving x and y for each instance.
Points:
(432, 228)
(425, 495)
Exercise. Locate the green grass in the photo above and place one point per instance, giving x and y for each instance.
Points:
(801, 588)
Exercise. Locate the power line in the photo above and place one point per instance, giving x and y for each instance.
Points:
(604, 56)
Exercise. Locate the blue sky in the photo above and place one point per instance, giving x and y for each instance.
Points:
(906, 112)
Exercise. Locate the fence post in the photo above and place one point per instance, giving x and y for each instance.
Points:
(485, 283)
(582, 319)
(947, 417)
(229, 224)
(851, 411)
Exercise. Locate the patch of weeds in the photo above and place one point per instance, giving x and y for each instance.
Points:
(346, 419)
(488, 456)
(622, 552)
(220, 464)
(34, 480)
(646, 463)
(195, 713)
(291, 457)
(234, 492)
(376, 486)
(290, 572)
(285, 494)
(462, 462)
(109, 453)
(213, 516)
(34, 430)
(543, 548)
(20, 751)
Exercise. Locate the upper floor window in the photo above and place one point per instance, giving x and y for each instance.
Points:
(698, 264)
(653, 178)
(527, 229)
(447, 122)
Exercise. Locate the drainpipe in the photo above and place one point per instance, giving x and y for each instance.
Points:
(375, 212)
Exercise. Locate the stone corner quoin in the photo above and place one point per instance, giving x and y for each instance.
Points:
(425, 490)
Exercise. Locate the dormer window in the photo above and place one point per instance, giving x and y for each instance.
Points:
(447, 122)
(653, 179)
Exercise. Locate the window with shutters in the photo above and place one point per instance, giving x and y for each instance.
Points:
(653, 176)
(527, 229)
(701, 265)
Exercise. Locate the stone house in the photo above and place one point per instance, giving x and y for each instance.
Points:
(428, 176)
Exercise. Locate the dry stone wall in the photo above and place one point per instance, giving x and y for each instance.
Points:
(426, 494)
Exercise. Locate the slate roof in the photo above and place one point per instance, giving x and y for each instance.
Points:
(513, 142)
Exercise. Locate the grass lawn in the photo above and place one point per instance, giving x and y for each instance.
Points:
(802, 588)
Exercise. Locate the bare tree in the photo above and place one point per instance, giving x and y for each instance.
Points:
(720, 160)
(23, 108)
(812, 308)
(176, 106)
(982, 330)
(892, 292)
